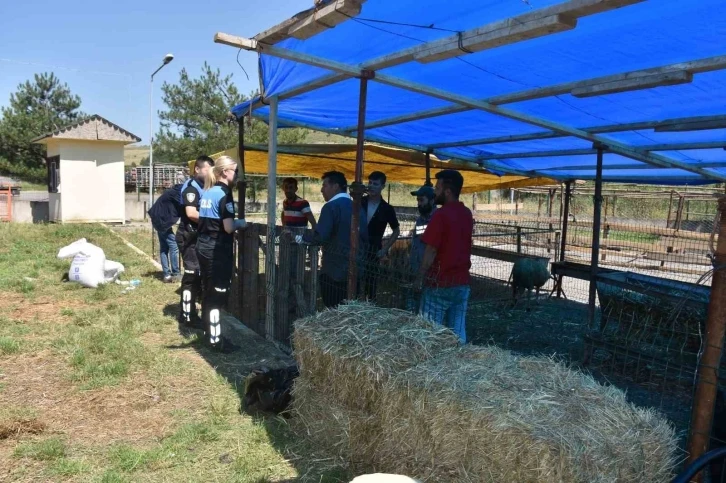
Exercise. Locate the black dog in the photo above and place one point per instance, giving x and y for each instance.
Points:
(268, 390)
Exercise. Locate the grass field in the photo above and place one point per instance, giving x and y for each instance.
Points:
(98, 386)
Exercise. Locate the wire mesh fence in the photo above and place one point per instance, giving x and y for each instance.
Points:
(653, 289)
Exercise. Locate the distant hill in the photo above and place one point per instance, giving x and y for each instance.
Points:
(316, 137)
(134, 154)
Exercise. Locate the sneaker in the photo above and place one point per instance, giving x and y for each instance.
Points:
(168, 279)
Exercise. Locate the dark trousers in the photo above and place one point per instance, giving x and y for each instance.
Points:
(332, 291)
(191, 284)
(370, 275)
(216, 265)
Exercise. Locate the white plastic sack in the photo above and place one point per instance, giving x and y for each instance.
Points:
(111, 271)
(89, 266)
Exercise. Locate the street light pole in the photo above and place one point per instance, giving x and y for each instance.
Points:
(167, 58)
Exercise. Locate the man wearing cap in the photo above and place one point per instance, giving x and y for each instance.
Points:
(426, 208)
(444, 271)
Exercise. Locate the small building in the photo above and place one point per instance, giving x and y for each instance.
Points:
(85, 164)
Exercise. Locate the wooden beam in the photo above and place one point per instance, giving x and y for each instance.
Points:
(543, 21)
(636, 83)
(691, 124)
(586, 151)
(309, 22)
(572, 9)
(332, 14)
(615, 81)
(506, 32)
(585, 167)
(457, 161)
(613, 146)
(608, 128)
(235, 41)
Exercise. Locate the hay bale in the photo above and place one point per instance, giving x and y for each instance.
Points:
(348, 352)
(387, 391)
(484, 414)
(349, 437)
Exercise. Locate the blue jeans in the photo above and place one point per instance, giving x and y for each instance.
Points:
(447, 306)
(168, 252)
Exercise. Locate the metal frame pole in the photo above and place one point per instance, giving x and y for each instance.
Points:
(428, 169)
(357, 188)
(565, 220)
(242, 177)
(595, 237)
(240, 237)
(708, 367)
(270, 266)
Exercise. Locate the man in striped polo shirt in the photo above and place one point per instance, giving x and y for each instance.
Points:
(296, 212)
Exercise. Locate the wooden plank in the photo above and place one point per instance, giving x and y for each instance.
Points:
(536, 21)
(688, 259)
(313, 284)
(251, 268)
(506, 32)
(635, 83)
(299, 282)
(502, 255)
(691, 124)
(235, 41)
(335, 13)
(282, 295)
(686, 235)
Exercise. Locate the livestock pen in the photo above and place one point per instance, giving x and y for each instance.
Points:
(619, 99)
(645, 339)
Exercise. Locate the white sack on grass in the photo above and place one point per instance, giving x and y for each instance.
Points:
(89, 266)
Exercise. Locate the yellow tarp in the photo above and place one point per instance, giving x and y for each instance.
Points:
(400, 166)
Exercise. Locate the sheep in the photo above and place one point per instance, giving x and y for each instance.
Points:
(529, 273)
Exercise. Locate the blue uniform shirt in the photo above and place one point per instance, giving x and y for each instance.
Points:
(191, 193)
(216, 204)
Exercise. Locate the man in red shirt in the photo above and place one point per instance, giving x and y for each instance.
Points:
(296, 212)
(444, 271)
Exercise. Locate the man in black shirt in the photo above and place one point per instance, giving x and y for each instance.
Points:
(186, 237)
(379, 215)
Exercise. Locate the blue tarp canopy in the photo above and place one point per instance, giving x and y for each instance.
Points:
(534, 78)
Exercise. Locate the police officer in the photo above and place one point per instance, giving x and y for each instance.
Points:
(186, 238)
(214, 246)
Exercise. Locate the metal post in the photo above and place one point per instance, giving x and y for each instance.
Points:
(389, 194)
(707, 384)
(303, 183)
(595, 236)
(428, 169)
(151, 143)
(565, 220)
(238, 292)
(271, 211)
(357, 188)
(550, 200)
(519, 239)
(670, 208)
(242, 177)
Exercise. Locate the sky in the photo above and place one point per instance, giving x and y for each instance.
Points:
(106, 51)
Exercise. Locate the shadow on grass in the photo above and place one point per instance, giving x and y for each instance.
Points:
(254, 352)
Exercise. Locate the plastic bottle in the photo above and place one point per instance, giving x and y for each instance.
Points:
(135, 282)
